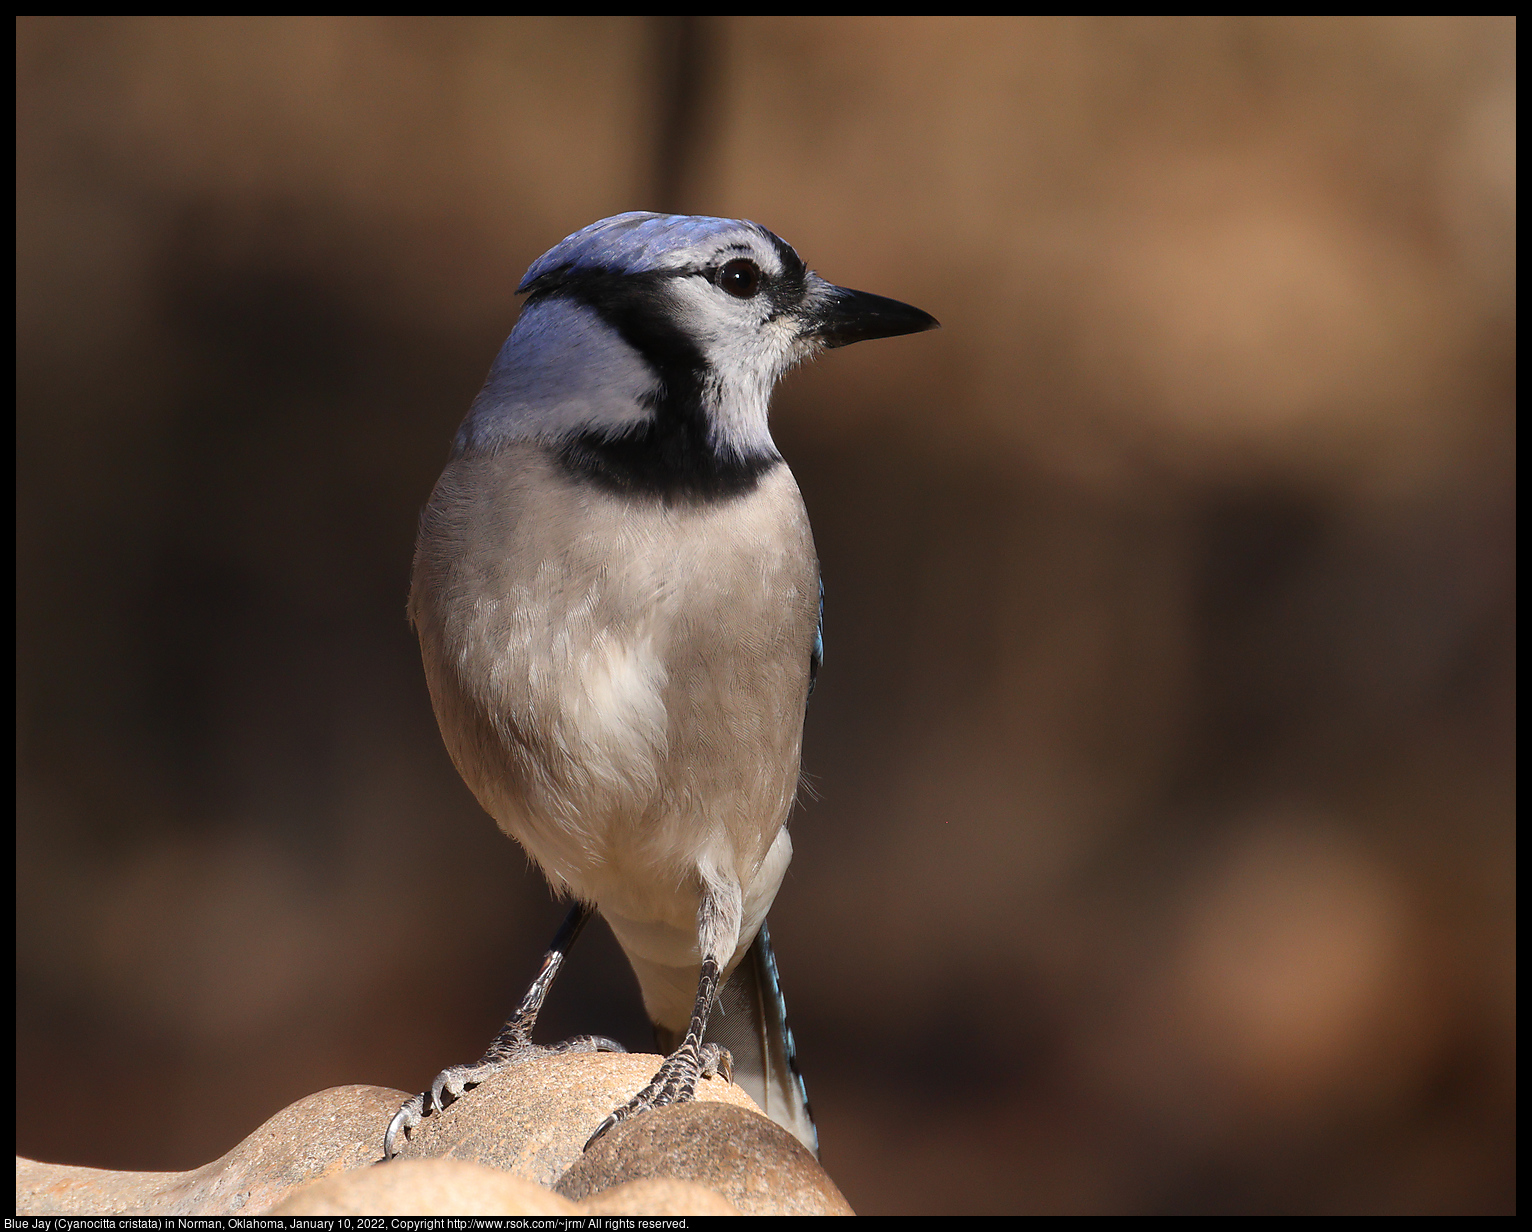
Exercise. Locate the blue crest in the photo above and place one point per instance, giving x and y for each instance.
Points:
(634, 242)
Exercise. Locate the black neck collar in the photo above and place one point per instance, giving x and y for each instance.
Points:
(671, 455)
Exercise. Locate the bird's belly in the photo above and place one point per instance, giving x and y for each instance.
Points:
(622, 688)
(660, 746)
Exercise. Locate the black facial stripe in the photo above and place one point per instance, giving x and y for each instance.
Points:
(793, 268)
(635, 305)
(788, 288)
(670, 455)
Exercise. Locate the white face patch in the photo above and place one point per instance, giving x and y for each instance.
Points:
(748, 344)
(575, 365)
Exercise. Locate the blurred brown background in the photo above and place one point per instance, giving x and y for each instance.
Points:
(1162, 853)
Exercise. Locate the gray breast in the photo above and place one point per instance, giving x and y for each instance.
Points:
(620, 682)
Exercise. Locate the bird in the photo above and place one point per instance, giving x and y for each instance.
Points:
(620, 614)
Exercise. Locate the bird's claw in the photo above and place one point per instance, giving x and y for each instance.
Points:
(454, 1082)
(717, 1061)
(446, 1088)
(404, 1120)
(612, 1119)
(582, 1043)
(674, 1083)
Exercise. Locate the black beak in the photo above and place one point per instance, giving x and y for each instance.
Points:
(843, 316)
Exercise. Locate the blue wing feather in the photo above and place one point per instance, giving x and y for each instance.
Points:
(817, 655)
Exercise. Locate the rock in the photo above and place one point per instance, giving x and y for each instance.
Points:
(755, 1164)
(532, 1120)
(455, 1187)
(498, 1150)
(334, 1131)
(659, 1196)
(425, 1187)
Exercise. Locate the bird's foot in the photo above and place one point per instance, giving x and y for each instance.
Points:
(457, 1080)
(674, 1083)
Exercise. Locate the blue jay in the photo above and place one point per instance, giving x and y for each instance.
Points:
(619, 611)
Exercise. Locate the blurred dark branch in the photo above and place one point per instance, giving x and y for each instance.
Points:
(683, 51)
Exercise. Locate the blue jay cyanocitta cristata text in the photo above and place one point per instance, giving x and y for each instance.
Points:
(618, 605)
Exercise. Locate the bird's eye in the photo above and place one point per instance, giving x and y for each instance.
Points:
(740, 278)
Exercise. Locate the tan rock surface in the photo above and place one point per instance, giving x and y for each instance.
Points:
(499, 1150)
(657, 1196)
(323, 1134)
(456, 1187)
(752, 1162)
(425, 1187)
(533, 1119)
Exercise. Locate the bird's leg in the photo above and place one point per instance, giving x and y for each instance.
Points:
(513, 1043)
(515, 1038)
(676, 1080)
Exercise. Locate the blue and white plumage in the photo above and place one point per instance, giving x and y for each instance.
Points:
(618, 603)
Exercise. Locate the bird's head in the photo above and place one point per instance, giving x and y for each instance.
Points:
(671, 330)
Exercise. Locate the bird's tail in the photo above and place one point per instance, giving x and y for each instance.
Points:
(750, 1020)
